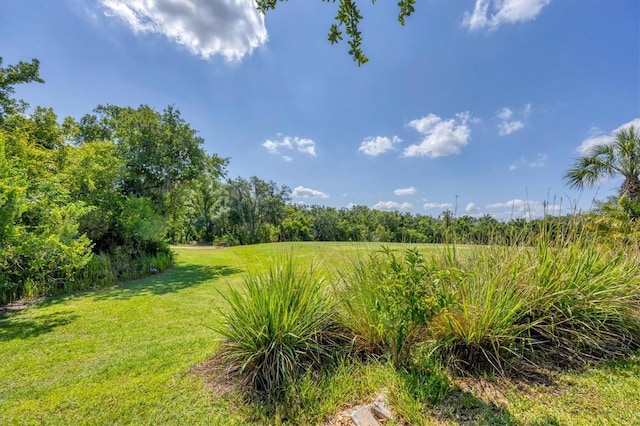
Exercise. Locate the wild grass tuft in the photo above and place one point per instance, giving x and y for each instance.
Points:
(277, 326)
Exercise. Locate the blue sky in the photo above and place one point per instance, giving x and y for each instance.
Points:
(478, 106)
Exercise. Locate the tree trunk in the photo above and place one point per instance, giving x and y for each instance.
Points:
(631, 187)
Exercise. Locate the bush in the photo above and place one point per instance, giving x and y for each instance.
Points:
(490, 304)
(277, 326)
(389, 300)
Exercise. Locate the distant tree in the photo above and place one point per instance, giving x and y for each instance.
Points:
(348, 17)
(10, 76)
(206, 202)
(620, 157)
(254, 204)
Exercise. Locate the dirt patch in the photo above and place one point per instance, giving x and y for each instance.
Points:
(18, 305)
(220, 381)
(340, 419)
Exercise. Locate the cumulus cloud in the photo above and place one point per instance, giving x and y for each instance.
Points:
(504, 113)
(517, 209)
(598, 137)
(493, 13)
(440, 137)
(471, 208)
(429, 206)
(405, 191)
(302, 192)
(229, 28)
(509, 127)
(306, 146)
(392, 205)
(539, 161)
(376, 145)
(507, 124)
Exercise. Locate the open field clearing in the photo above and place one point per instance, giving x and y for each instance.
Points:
(126, 355)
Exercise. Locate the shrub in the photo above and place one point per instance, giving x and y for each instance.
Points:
(388, 300)
(277, 326)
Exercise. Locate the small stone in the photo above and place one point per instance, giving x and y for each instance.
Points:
(362, 416)
(381, 408)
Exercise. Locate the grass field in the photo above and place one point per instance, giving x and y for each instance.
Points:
(125, 355)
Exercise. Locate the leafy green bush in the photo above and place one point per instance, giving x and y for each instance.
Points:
(277, 326)
(388, 301)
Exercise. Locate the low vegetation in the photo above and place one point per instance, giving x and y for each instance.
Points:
(133, 353)
(280, 324)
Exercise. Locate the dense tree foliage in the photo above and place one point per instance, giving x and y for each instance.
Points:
(90, 201)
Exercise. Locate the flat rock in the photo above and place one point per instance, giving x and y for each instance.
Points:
(362, 416)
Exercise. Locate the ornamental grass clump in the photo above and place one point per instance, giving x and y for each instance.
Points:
(587, 302)
(482, 326)
(565, 304)
(278, 325)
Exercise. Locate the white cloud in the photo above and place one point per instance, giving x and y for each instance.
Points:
(504, 113)
(509, 127)
(392, 205)
(493, 13)
(376, 145)
(515, 203)
(405, 191)
(599, 138)
(230, 28)
(302, 192)
(516, 209)
(441, 137)
(306, 146)
(471, 208)
(539, 161)
(429, 206)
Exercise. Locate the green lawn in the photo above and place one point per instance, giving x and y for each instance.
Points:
(125, 355)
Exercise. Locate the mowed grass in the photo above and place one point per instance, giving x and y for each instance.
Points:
(125, 355)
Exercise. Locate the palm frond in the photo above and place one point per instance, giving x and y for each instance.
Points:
(621, 156)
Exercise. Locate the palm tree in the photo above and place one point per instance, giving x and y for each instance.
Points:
(620, 157)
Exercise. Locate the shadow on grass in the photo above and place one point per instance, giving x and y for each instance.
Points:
(170, 281)
(465, 408)
(14, 326)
